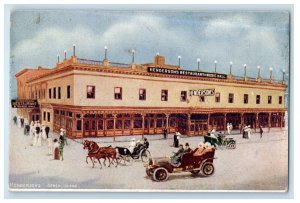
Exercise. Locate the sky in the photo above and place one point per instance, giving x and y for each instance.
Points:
(252, 38)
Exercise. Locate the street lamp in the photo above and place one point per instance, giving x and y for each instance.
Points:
(215, 65)
(198, 61)
(230, 66)
(74, 45)
(179, 57)
(133, 52)
(157, 53)
(65, 52)
(258, 75)
(57, 58)
(283, 73)
(245, 72)
(105, 52)
(271, 69)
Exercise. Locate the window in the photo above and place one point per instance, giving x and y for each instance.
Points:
(217, 97)
(59, 92)
(230, 98)
(142, 94)
(44, 116)
(257, 99)
(164, 95)
(280, 100)
(118, 93)
(48, 116)
(246, 98)
(269, 99)
(54, 93)
(183, 96)
(50, 93)
(68, 92)
(202, 98)
(78, 125)
(90, 92)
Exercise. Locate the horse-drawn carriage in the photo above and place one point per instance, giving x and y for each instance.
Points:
(221, 140)
(193, 162)
(139, 152)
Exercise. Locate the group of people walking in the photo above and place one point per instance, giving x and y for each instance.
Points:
(40, 134)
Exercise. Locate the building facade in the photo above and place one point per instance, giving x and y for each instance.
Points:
(100, 98)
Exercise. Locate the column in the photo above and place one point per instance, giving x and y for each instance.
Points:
(167, 122)
(189, 124)
(155, 117)
(131, 124)
(256, 122)
(224, 122)
(269, 121)
(208, 121)
(242, 122)
(143, 124)
(104, 124)
(115, 118)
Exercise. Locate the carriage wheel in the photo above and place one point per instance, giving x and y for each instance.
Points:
(160, 174)
(145, 156)
(195, 172)
(231, 145)
(208, 169)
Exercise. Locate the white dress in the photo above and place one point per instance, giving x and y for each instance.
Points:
(50, 145)
(44, 136)
(35, 139)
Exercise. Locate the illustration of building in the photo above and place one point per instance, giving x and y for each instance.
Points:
(101, 98)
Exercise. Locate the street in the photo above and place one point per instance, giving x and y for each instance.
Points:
(256, 164)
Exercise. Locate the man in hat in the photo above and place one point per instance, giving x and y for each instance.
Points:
(261, 131)
(187, 148)
(176, 158)
(65, 137)
(47, 129)
(165, 133)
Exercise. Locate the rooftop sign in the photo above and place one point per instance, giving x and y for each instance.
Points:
(24, 103)
(186, 73)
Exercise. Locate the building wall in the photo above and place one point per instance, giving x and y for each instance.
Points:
(105, 82)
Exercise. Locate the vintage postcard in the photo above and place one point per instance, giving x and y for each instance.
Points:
(115, 100)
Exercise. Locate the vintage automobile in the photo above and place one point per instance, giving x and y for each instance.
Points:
(220, 141)
(159, 168)
(140, 152)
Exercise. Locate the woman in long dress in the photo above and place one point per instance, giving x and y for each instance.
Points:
(249, 132)
(55, 150)
(39, 136)
(44, 136)
(50, 145)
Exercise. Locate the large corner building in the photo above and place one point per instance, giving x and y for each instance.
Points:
(100, 98)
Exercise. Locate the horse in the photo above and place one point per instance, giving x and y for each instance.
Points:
(94, 151)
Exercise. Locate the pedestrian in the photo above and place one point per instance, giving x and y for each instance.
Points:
(231, 127)
(32, 129)
(19, 122)
(187, 148)
(50, 145)
(65, 137)
(61, 150)
(27, 127)
(165, 133)
(261, 131)
(22, 122)
(39, 135)
(15, 119)
(174, 139)
(177, 139)
(228, 128)
(47, 129)
(56, 150)
(43, 132)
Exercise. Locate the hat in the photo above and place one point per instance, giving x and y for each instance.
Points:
(187, 144)
(133, 139)
(61, 129)
(207, 144)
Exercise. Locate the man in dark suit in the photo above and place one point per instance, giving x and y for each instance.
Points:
(47, 129)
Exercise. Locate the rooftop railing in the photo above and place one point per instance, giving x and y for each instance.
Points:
(88, 61)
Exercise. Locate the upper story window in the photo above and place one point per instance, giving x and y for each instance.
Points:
(246, 96)
(269, 99)
(202, 98)
(257, 99)
(54, 93)
(217, 97)
(118, 93)
(90, 92)
(50, 93)
(59, 92)
(68, 92)
(164, 95)
(183, 96)
(142, 94)
(230, 98)
(280, 100)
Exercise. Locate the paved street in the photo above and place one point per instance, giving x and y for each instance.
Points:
(256, 164)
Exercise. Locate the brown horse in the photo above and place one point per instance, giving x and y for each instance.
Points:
(96, 152)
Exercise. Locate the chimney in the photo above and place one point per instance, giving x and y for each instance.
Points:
(159, 60)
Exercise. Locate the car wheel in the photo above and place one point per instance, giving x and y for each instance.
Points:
(208, 169)
(145, 156)
(160, 174)
(231, 145)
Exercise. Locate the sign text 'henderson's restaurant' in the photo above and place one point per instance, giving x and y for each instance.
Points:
(186, 73)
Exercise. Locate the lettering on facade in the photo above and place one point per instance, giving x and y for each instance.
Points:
(24, 103)
(186, 73)
(206, 92)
